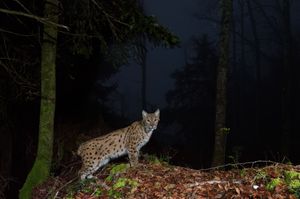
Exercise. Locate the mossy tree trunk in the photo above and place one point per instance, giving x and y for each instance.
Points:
(221, 94)
(41, 168)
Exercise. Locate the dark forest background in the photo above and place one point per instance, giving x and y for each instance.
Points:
(262, 88)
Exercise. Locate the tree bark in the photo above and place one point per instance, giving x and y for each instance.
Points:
(221, 94)
(41, 168)
(142, 48)
(143, 55)
(287, 77)
(258, 67)
(241, 70)
(6, 135)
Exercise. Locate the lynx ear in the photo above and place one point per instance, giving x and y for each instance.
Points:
(157, 112)
(144, 114)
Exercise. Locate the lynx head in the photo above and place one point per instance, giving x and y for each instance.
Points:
(150, 120)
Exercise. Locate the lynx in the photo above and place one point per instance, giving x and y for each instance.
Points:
(97, 152)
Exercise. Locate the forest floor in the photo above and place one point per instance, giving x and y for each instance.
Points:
(157, 179)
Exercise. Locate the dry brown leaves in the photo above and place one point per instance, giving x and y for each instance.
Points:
(172, 182)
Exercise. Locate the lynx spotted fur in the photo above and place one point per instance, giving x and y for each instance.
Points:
(99, 151)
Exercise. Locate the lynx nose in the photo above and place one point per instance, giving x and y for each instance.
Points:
(153, 127)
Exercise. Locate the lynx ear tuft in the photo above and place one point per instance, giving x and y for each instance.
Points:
(144, 114)
(157, 112)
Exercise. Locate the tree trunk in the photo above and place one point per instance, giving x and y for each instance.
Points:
(221, 94)
(142, 56)
(287, 77)
(6, 135)
(257, 64)
(41, 168)
(241, 71)
(143, 62)
(144, 72)
(235, 95)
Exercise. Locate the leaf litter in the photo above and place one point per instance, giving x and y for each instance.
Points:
(159, 180)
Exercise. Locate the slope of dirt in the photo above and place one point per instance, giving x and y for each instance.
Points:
(160, 180)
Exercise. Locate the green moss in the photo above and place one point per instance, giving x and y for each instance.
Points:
(98, 192)
(122, 182)
(292, 179)
(273, 183)
(291, 175)
(38, 174)
(261, 175)
(294, 185)
(120, 168)
(114, 194)
(116, 169)
(162, 159)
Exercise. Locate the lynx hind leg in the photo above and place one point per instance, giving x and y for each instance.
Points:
(90, 167)
(85, 172)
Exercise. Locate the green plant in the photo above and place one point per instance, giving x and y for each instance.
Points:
(119, 168)
(292, 179)
(225, 130)
(162, 159)
(152, 158)
(87, 189)
(291, 175)
(114, 194)
(116, 169)
(294, 187)
(273, 183)
(243, 172)
(119, 183)
(71, 190)
(70, 195)
(122, 182)
(97, 192)
(261, 176)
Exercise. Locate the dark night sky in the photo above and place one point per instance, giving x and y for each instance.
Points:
(179, 17)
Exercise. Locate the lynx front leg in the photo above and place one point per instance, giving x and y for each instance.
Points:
(133, 157)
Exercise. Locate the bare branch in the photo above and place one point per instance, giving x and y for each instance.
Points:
(108, 15)
(39, 19)
(18, 34)
(13, 73)
(22, 6)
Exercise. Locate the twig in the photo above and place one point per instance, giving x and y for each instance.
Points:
(108, 15)
(240, 164)
(22, 6)
(214, 182)
(15, 33)
(107, 18)
(13, 73)
(69, 182)
(4, 184)
(39, 19)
